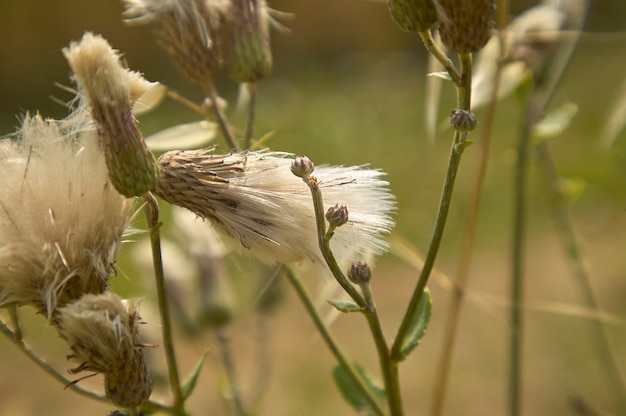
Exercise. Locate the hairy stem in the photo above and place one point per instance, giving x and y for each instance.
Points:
(152, 215)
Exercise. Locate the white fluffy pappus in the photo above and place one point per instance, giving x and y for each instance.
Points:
(61, 221)
(254, 198)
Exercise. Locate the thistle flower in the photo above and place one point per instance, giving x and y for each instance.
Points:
(61, 221)
(110, 90)
(189, 31)
(102, 332)
(254, 198)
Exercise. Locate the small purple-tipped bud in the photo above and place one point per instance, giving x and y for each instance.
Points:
(337, 215)
(302, 167)
(360, 273)
(462, 120)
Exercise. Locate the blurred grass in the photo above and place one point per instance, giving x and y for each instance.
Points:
(348, 89)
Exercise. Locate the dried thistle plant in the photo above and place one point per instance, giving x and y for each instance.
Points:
(61, 220)
(254, 198)
(102, 332)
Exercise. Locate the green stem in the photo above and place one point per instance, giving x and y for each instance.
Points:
(581, 272)
(67, 383)
(458, 292)
(435, 50)
(152, 215)
(324, 243)
(211, 92)
(458, 145)
(252, 86)
(331, 343)
(230, 371)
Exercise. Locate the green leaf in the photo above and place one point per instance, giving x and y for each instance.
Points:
(189, 384)
(353, 394)
(345, 306)
(419, 324)
(441, 74)
(555, 123)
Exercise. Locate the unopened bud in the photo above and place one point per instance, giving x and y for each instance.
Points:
(302, 167)
(465, 24)
(337, 215)
(250, 56)
(359, 273)
(413, 15)
(462, 120)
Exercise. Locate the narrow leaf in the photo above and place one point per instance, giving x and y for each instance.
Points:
(189, 385)
(183, 136)
(441, 74)
(555, 123)
(419, 324)
(345, 306)
(353, 395)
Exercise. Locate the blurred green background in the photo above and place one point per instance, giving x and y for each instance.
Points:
(348, 88)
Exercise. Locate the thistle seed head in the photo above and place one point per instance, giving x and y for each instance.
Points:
(254, 198)
(103, 333)
(110, 90)
(61, 221)
(190, 31)
(465, 25)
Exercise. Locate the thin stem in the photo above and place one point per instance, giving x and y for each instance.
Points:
(211, 92)
(230, 371)
(435, 50)
(580, 268)
(454, 311)
(324, 243)
(331, 343)
(252, 87)
(67, 383)
(152, 215)
(174, 95)
(458, 145)
(15, 320)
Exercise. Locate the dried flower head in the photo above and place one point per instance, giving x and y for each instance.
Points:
(465, 25)
(255, 198)
(61, 221)
(110, 90)
(249, 53)
(102, 332)
(190, 31)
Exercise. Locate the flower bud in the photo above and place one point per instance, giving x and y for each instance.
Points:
(413, 15)
(359, 273)
(250, 56)
(337, 215)
(465, 24)
(302, 166)
(462, 120)
(107, 87)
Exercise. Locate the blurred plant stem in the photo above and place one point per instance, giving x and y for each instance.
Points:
(152, 214)
(331, 343)
(222, 121)
(252, 90)
(229, 368)
(459, 143)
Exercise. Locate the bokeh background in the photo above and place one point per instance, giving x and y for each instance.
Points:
(348, 88)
